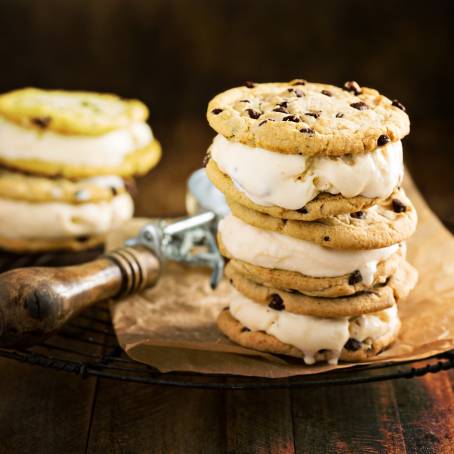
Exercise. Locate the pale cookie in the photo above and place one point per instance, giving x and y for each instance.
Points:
(70, 112)
(299, 117)
(57, 244)
(30, 188)
(259, 340)
(323, 206)
(372, 300)
(388, 223)
(327, 287)
(138, 162)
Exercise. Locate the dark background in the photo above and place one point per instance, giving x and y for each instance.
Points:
(176, 54)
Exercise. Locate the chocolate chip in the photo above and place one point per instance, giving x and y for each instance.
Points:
(280, 109)
(245, 100)
(293, 118)
(253, 113)
(302, 210)
(216, 111)
(326, 93)
(313, 114)
(283, 104)
(307, 131)
(360, 105)
(326, 238)
(226, 308)
(299, 82)
(276, 302)
(245, 329)
(398, 206)
(355, 277)
(114, 190)
(399, 105)
(262, 122)
(249, 84)
(41, 122)
(352, 344)
(358, 215)
(353, 86)
(339, 115)
(83, 238)
(383, 140)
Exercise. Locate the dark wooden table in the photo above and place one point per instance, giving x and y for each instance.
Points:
(43, 411)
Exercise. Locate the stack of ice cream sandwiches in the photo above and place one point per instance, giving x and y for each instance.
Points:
(315, 240)
(66, 165)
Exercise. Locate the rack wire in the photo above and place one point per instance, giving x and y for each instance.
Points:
(87, 346)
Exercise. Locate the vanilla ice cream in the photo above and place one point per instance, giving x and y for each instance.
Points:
(290, 181)
(17, 142)
(273, 250)
(24, 220)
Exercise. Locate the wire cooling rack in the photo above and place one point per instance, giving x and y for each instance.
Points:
(87, 346)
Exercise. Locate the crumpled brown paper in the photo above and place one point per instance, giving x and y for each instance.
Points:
(172, 327)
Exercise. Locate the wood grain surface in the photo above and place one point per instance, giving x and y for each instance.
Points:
(43, 411)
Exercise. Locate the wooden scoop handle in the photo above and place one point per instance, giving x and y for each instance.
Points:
(36, 302)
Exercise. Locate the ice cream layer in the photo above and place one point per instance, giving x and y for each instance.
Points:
(312, 334)
(276, 251)
(24, 220)
(17, 142)
(290, 181)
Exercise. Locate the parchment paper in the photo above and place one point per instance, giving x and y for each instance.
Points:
(172, 326)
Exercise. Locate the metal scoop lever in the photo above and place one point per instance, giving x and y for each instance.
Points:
(35, 302)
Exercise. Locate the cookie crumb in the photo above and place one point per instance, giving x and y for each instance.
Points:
(249, 84)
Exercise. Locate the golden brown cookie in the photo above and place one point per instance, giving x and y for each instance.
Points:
(327, 287)
(57, 244)
(70, 112)
(300, 117)
(323, 206)
(30, 188)
(258, 340)
(364, 302)
(387, 223)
